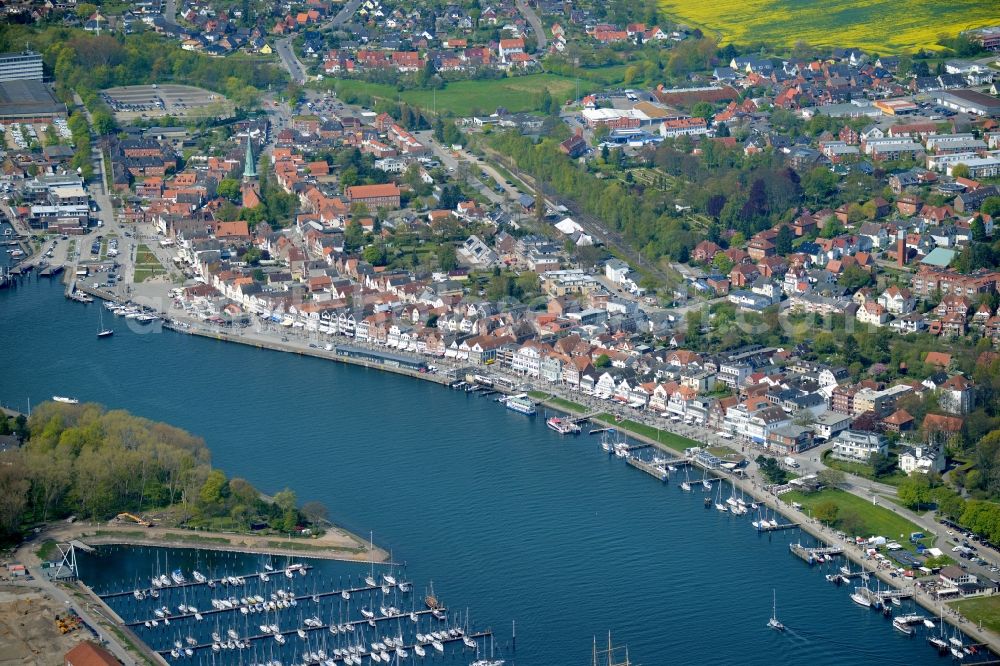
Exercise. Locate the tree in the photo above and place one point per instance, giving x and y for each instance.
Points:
(783, 241)
(447, 259)
(211, 491)
(882, 465)
(228, 188)
(703, 110)
(826, 511)
(104, 122)
(285, 500)
(850, 348)
(977, 227)
(960, 170)
(315, 512)
(914, 491)
(603, 361)
(832, 478)
(855, 277)
(990, 206)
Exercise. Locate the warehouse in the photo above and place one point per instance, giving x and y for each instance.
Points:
(969, 101)
(28, 102)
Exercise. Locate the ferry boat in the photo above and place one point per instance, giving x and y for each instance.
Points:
(562, 426)
(520, 403)
(64, 399)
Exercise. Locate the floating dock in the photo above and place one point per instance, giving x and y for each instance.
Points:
(193, 583)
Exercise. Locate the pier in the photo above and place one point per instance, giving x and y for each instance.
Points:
(657, 472)
(334, 657)
(814, 555)
(777, 528)
(188, 584)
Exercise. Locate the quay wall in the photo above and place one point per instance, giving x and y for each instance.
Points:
(821, 533)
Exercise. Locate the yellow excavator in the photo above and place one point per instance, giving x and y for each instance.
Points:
(135, 519)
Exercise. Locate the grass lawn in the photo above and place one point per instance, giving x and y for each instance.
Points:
(146, 265)
(464, 98)
(47, 550)
(870, 520)
(981, 609)
(879, 26)
(862, 470)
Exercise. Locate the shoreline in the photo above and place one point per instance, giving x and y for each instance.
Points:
(816, 530)
(810, 527)
(334, 545)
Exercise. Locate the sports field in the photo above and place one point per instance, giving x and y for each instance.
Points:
(879, 26)
(483, 96)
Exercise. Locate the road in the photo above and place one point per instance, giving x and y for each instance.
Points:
(170, 12)
(536, 23)
(287, 54)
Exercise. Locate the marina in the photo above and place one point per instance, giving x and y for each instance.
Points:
(292, 611)
(574, 506)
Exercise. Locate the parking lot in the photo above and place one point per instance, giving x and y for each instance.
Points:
(152, 101)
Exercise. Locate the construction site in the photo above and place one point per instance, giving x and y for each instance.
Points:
(35, 628)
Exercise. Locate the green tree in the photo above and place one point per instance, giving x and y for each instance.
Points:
(228, 188)
(447, 259)
(703, 110)
(960, 170)
(990, 206)
(826, 511)
(285, 500)
(783, 241)
(914, 491)
(602, 361)
(211, 491)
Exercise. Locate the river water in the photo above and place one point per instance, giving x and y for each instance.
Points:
(505, 517)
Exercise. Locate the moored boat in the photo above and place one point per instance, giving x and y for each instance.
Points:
(520, 403)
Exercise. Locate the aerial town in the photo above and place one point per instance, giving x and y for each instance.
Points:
(788, 256)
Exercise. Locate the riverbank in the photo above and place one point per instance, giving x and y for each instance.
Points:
(806, 523)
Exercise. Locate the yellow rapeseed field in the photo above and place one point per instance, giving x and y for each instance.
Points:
(881, 26)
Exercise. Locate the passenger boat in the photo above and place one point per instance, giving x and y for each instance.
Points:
(562, 426)
(900, 625)
(520, 403)
(64, 399)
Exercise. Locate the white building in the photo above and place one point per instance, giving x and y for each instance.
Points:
(922, 459)
(858, 445)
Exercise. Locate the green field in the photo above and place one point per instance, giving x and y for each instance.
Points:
(869, 520)
(465, 98)
(985, 610)
(879, 26)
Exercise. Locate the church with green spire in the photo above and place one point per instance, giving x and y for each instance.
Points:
(249, 166)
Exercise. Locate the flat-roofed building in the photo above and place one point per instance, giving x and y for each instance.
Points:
(23, 66)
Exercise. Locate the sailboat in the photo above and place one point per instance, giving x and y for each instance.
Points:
(719, 506)
(774, 622)
(705, 483)
(686, 483)
(101, 331)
